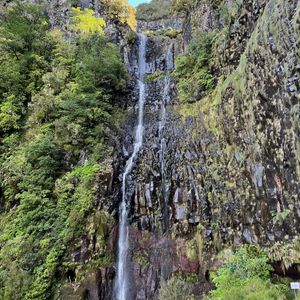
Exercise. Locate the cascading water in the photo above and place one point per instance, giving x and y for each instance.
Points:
(165, 100)
(121, 286)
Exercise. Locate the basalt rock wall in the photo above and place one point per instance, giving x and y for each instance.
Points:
(231, 160)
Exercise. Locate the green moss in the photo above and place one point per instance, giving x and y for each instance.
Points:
(176, 288)
(142, 258)
(280, 217)
(158, 74)
(194, 247)
(287, 253)
(225, 255)
(206, 109)
(131, 37)
(168, 32)
(189, 277)
(180, 6)
(191, 249)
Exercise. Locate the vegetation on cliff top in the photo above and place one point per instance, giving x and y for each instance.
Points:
(56, 102)
(155, 10)
(117, 10)
(121, 10)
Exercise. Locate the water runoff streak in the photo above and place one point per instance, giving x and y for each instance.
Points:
(121, 286)
(162, 123)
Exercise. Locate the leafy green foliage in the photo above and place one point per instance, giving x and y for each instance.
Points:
(158, 74)
(182, 5)
(176, 288)
(252, 289)
(247, 276)
(56, 101)
(156, 9)
(192, 69)
(169, 32)
(24, 58)
(287, 254)
(85, 21)
(121, 10)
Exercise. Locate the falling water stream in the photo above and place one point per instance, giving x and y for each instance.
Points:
(165, 100)
(121, 287)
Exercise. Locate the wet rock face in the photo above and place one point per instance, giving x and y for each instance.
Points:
(237, 181)
(259, 117)
(240, 31)
(156, 252)
(155, 258)
(93, 286)
(201, 16)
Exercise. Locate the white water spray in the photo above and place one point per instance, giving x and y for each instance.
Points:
(121, 287)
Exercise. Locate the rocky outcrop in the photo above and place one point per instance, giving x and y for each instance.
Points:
(220, 172)
(201, 15)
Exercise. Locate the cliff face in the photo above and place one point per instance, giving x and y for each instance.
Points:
(256, 112)
(212, 174)
(221, 171)
(231, 160)
(256, 127)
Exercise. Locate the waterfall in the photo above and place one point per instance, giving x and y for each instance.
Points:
(165, 100)
(121, 286)
(166, 90)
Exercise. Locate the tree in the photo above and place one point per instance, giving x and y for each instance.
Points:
(175, 288)
(123, 11)
(57, 99)
(86, 22)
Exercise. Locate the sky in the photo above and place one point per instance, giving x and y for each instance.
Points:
(137, 2)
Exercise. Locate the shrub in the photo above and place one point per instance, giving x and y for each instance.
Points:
(175, 289)
(247, 276)
(192, 69)
(121, 10)
(182, 5)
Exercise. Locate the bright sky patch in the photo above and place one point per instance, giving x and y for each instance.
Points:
(137, 2)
